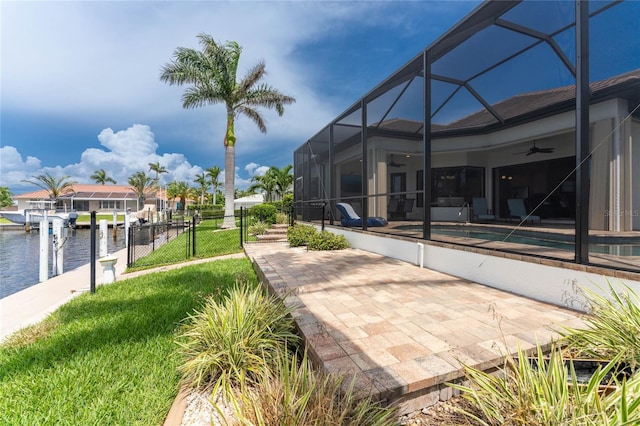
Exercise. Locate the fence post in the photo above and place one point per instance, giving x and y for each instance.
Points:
(194, 236)
(92, 249)
(130, 246)
(324, 204)
(188, 247)
(241, 234)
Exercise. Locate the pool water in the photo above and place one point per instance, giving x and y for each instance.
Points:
(613, 249)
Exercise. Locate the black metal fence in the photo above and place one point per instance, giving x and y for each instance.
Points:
(146, 242)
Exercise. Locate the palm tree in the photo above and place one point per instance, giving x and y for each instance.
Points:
(100, 176)
(284, 180)
(158, 169)
(265, 183)
(214, 175)
(54, 186)
(6, 195)
(142, 185)
(179, 190)
(203, 183)
(212, 72)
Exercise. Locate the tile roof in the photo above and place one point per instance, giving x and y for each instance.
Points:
(89, 191)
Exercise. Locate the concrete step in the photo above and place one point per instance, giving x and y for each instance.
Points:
(272, 237)
(277, 231)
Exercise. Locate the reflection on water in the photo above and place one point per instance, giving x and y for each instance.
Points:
(19, 255)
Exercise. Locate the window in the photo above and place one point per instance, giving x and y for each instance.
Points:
(454, 186)
(81, 205)
(109, 204)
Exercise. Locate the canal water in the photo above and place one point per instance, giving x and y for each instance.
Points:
(20, 252)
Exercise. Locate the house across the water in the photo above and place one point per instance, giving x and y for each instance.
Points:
(84, 198)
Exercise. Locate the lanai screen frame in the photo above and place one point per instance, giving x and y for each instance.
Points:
(485, 15)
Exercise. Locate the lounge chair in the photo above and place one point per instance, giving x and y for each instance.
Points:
(518, 211)
(480, 210)
(351, 218)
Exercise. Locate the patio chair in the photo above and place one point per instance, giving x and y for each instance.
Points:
(351, 218)
(518, 211)
(480, 210)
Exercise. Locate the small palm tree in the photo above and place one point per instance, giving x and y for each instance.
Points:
(265, 184)
(158, 169)
(142, 185)
(179, 190)
(284, 180)
(100, 176)
(203, 183)
(54, 186)
(214, 178)
(212, 73)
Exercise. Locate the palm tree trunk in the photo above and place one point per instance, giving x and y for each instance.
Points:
(229, 184)
(229, 172)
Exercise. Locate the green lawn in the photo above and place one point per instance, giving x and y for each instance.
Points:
(210, 241)
(108, 358)
(86, 218)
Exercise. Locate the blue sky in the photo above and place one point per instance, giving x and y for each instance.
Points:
(80, 88)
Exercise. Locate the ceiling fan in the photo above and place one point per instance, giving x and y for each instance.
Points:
(535, 150)
(392, 163)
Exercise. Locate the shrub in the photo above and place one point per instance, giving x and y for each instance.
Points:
(229, 342)
(282, 218)
(544, 393)
(293, 393)
(612, 327)
(259, 228)
(299, 235)
(326, 240)
(264, 213)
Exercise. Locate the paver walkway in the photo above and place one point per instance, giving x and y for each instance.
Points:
(402, 331)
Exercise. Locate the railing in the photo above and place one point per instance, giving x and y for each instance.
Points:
(147, 238)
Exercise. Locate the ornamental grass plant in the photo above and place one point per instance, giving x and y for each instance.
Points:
(612, 327)
(544, 391)
(231, 341)
(291, 392)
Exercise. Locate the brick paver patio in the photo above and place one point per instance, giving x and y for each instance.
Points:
(400, 330)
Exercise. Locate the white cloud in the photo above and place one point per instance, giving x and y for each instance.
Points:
(13, 170)
(254, 169)
(136, 141)
(126, 152)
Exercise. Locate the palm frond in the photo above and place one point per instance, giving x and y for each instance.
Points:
(268, 97)
(253, 77)
(254, 116)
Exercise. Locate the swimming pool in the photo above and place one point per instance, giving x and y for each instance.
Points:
(542, 241)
